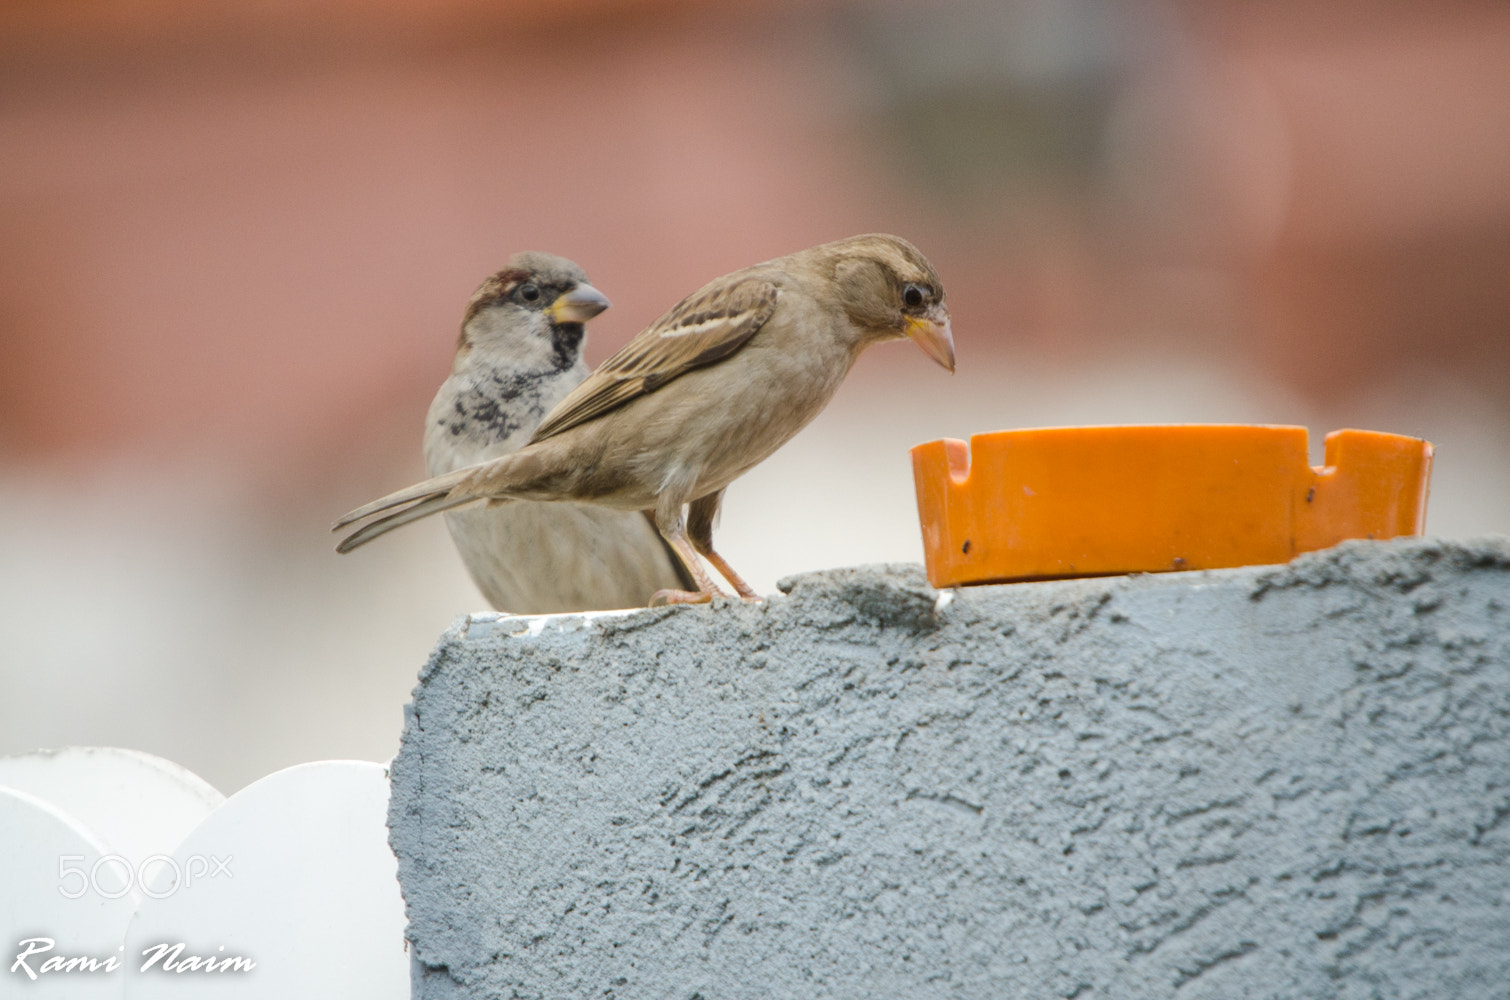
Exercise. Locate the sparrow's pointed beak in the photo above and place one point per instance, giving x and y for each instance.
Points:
(931, 333)
(578, 305)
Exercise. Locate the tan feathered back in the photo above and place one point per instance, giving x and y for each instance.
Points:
(705, 327)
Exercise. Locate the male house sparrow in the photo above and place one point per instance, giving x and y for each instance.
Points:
(519, 354)
(702, 395)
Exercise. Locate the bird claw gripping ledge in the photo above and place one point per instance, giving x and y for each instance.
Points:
(1089, 501)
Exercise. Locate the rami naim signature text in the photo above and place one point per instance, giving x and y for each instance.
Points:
(157, 958)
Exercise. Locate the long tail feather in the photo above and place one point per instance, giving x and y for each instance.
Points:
(424, 508)
(419, 491)
(472, 484)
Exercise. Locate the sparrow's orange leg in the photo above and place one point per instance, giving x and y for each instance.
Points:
(700, 518)
(674, 530)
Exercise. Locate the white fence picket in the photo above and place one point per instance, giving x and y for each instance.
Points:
(293, 874)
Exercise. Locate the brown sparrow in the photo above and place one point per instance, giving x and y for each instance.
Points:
(519, 354)
(702, 395)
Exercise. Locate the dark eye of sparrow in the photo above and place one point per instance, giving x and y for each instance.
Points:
(913, 296)
(529, 292)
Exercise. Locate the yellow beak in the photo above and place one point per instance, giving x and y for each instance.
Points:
(932, 334)
(578, 305)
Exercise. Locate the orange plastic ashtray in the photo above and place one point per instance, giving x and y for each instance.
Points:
(1090, 501)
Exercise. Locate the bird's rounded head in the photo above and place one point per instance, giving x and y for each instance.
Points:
(888, 289)
(529, 315)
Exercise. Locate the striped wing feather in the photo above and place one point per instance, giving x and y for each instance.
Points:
(705, 327)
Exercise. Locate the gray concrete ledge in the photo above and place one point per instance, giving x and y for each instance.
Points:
(1268, 782)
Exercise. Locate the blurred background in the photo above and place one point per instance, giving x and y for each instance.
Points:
(236, 240)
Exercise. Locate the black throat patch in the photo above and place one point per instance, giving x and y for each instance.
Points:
(566, 343)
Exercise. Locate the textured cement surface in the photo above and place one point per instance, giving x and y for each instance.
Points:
(1266, 782)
